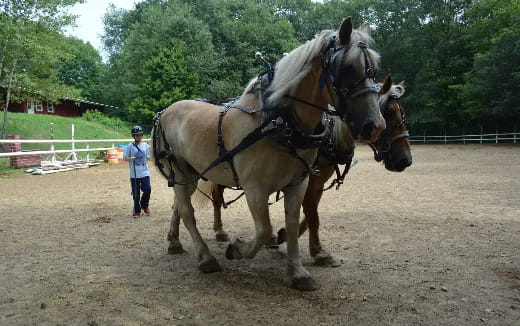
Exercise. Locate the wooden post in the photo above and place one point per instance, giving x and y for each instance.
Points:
(481, 132)
(424, 137)
(514, 135)
(53, 155)
(496, 135)
(463, 135)
(445, 138)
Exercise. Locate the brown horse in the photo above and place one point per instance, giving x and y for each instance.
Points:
(271, 142)
(392, 147)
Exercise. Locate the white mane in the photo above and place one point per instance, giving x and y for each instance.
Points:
(395, 90)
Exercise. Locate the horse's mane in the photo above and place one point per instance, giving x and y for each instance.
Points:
(395, 90)
(293, 67)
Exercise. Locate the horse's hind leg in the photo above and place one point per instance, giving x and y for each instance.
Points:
(217, 192)
(310, 209)
(207, 262)
(258, 205)
(175, 246)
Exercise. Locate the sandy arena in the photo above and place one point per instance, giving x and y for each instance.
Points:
(438, 244)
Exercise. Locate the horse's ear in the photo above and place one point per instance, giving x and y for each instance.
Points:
(399, 88)
(365, 28)
(387, 84)
(345, 30)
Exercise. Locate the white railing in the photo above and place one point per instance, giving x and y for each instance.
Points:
(52, 151)
(496, 138)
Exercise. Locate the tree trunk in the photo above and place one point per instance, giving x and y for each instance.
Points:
(7, 98)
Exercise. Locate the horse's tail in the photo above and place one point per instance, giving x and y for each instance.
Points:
(161, 150)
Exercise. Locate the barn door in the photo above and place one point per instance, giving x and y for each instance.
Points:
(30, 107)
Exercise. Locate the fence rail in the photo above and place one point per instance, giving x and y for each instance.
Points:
(510, 137)
(53, 151)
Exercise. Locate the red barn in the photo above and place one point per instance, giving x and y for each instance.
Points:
(67, 107)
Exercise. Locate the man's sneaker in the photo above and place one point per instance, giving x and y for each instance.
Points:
(146, 211)
(136, 215)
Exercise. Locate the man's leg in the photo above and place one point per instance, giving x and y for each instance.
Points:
(146, 188)
(136, 193)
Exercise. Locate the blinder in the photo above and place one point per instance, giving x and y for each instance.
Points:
(332, 61)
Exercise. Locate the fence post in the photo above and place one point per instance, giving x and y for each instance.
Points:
(53, 155)
(481, 132)
(424, 137)
(463, 135)
(496, 135)
(514, 135)
(88, 153)
(445, 138)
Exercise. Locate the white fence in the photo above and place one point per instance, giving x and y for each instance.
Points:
(510, 137)
(72, 152)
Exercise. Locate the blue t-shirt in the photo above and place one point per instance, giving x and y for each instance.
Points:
(141, 166)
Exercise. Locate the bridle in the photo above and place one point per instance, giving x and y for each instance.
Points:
(384, 141)
(333, 57)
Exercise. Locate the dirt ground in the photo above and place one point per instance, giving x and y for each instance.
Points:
(438, 244)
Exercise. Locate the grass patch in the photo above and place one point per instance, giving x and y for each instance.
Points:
(38, 126)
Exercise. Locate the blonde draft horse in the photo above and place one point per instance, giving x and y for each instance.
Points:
(392, 146)
(335, 68)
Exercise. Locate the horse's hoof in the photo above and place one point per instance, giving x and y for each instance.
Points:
(175, 250)
(209, 265)
(282, 236)
(273, 243)
(232, 251)
(221, 236)
(325, 259)
(303, 284)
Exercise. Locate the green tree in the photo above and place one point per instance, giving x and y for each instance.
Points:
(82, 69)
(167, 79)
(29, 45)
(490, 86)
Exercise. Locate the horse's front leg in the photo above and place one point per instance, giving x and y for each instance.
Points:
(217, 192)
(300, 277)
(207, 262)
(258, 205)
(175, 246)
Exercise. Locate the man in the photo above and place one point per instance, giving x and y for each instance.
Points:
(136, 155)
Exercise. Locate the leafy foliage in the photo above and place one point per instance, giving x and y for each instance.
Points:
(166, 79)
(460, 59)
(110, 122)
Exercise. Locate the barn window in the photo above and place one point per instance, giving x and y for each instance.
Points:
(38, 106)
(50, 107)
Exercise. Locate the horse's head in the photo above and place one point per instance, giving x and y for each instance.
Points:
(392, 146)
(350, 66)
